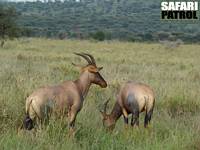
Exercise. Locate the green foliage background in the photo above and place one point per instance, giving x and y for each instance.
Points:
(133, 20)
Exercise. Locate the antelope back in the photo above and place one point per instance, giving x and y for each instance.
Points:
(138, 95)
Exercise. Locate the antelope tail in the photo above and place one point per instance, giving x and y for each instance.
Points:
(28, 122)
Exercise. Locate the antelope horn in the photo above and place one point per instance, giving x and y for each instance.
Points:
(105, 105)
(85, 57)
(91, 57)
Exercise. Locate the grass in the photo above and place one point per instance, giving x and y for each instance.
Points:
(174, 74)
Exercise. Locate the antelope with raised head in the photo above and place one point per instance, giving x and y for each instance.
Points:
(133, 98)
(66, 98)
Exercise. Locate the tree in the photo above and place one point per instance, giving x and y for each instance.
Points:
(62, 35)
(8, 26)
(99, 35)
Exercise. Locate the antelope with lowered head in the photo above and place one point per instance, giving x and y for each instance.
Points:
(133, 98)
(66, 98)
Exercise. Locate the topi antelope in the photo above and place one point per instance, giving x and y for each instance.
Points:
(132, 98)
(66, 98)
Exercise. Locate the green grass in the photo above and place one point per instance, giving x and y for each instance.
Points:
(174, 74)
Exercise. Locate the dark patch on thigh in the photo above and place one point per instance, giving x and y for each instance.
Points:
(132, 103)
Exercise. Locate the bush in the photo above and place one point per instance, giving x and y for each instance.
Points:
(99, 35)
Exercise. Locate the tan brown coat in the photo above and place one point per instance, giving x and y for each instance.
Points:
(133, 98)
(63, 99)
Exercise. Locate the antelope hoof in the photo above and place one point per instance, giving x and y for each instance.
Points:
(136, 126)
(126, 126)
(71, 133)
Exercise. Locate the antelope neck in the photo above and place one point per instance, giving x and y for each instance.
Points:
(83, 83)
(116, 112)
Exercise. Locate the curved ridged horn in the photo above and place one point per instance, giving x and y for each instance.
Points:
(85, 57)
(105, 105)
(91, 57)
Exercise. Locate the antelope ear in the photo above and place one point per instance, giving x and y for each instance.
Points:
(76, 65)
(100, 68)
(103, 114)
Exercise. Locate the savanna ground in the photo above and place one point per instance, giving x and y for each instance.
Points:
(174, 74)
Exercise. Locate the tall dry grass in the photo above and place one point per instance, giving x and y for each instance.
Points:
(27, 64)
